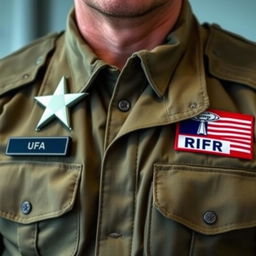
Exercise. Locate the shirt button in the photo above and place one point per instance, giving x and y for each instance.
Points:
(39, 60)
(193, 105)
(124, 105)
(210, 217)
(26, 207)
(25, 76)
(115, 235)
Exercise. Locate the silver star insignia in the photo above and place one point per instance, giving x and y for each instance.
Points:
(56, 105)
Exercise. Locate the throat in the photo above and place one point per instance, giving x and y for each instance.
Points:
(114, 38)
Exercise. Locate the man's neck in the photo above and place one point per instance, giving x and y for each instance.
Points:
(114, 39)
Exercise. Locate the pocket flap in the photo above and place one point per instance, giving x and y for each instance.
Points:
(49, 189)
(207, 200)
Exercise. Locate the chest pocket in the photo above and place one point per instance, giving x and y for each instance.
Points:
(216, 208)
(37, 208)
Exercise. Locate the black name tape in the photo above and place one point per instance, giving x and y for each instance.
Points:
(38, 146)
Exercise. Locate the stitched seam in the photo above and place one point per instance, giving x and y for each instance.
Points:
(229, 66)
(51, 37)
(45, 215)
(51, 41)
(110, 113)
(191, 249)
(229, 72)
(101, 200)
(65, 166)
(187, 221)
(229, 174)
(50, 69)
(222, 228)
(35, 239)
(226, 170)
(18, 239)
(174, 118)
(111, 107)
(211, 42)
(201, 67)
(152, 82)
(103, 172)
(17, 82)
(134, 195)
(177, 117)
(202, 91)
(164, 166)
(73, 251)
(65, 207)
(168, 119)
(218, 29)
(150, 226)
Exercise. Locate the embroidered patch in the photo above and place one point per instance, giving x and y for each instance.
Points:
(217, 132)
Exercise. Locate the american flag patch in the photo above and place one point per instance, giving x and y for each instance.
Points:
(217, 132)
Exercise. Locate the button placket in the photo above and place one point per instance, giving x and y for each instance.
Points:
(111, 229)
(118, 112)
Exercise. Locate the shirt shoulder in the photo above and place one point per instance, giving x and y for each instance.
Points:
(21, 67)
(230, 56)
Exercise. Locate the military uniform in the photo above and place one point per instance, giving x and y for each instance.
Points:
(123, 189)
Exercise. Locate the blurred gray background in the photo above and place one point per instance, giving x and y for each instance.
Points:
(21, 21)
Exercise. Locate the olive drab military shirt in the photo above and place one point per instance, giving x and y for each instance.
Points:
(121, 184)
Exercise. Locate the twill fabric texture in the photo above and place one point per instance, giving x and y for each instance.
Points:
(123, 189)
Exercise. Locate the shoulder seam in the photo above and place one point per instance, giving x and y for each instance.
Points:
(13, 68)
(231, 58)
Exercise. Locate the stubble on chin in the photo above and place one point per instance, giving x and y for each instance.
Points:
(121, 9)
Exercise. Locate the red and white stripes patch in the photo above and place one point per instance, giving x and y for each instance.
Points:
(217, 132)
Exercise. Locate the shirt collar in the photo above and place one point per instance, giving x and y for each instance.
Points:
(158, 64)
(84, 64)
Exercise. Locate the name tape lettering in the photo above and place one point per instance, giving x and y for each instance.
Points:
(40, 146)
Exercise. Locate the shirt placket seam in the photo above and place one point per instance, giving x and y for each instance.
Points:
(134, 194)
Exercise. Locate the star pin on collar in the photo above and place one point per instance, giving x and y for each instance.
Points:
(56, 105)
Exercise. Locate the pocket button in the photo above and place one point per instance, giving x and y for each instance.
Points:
(210, 217)
(26, 207)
